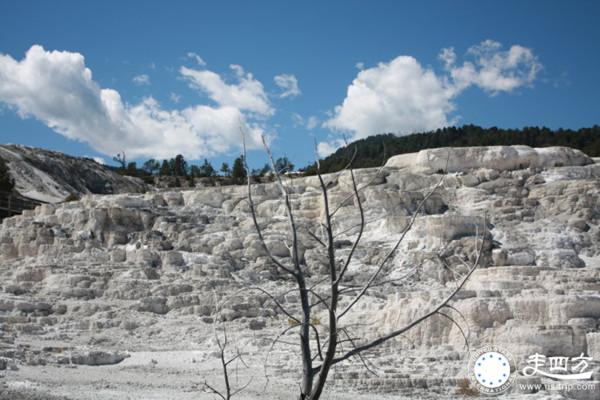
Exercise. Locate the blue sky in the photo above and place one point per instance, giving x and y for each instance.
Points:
(361, 68)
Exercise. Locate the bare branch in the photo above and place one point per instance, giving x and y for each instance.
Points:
(392, 251)
(457, 325)
(222, 344)
(359, 355)
(298, 273)
(449, 269)
(321, 300)
(238, 355)
(274, 300)
(334, 296)
(314, 328)
(253, 213)
(411, 325)
(242, 388)
(360, 232)
(380, 283)
(213, 390)
(288, 206)
(377, 173)
(316, 238)
(461, 315)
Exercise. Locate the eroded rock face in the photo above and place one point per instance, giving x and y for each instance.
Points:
(145, 270)
(50, 176)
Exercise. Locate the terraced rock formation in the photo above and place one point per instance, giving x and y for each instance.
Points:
(113, 296)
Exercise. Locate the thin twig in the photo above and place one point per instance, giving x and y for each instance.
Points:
(414, 323)
(392, 251)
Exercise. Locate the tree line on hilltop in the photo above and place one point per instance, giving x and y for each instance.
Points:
(375, 150)
(180, 168)
(370, 152)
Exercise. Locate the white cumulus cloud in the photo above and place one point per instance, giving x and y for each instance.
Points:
(57, 88)
(402, 96)
(326, 148)
(288, 84)
(141, 80)
(492, 68)
(246, 94)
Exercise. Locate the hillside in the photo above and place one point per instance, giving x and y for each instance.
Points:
(50, 176)
(370, 151)
(113, 297)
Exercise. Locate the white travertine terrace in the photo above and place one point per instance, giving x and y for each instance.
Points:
(138, 273)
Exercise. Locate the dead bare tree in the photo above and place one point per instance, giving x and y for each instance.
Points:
(121, 159)
(321, 350)
(227, 357)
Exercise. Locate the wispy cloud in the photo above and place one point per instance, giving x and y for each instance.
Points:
(196, 58)
(309, 123)
(141, 80)
(288, 84)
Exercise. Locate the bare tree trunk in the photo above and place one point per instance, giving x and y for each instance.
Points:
(332, 307)
(314, 378)
(307, 369)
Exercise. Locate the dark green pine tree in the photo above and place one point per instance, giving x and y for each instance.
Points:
(238, 172)
(283, 165)
(131, 169)
(225, 169)
(179, 166)
(165, 169)
(7, 183)
(151, 166)
(207, 170)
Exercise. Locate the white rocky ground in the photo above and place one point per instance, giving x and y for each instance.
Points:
(112, 297)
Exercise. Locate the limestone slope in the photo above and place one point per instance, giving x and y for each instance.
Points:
(140, 272)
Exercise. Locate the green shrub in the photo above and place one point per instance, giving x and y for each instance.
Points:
(71, 197)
